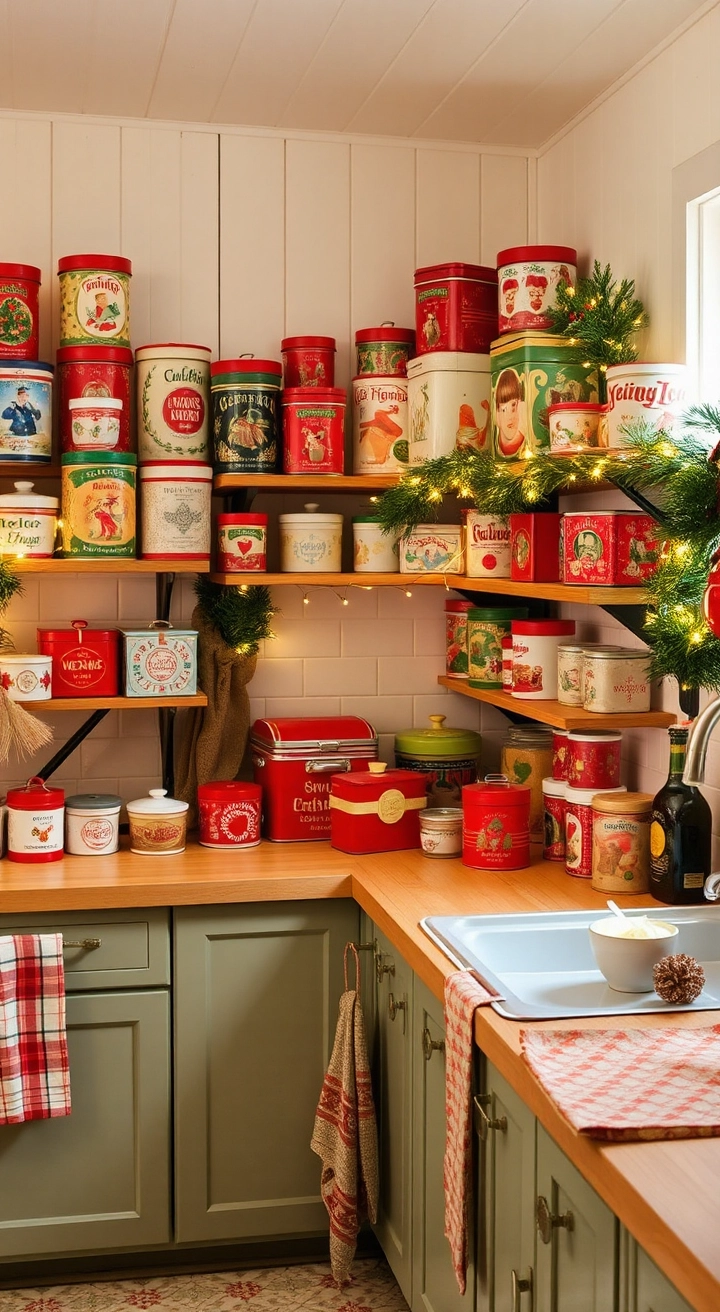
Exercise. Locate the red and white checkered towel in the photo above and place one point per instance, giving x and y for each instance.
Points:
(463, 994)
(34, 1073)
(631, 1084)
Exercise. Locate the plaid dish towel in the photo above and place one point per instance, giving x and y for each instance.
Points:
(34, 1073)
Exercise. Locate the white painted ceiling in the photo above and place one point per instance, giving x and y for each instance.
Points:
(509, 72)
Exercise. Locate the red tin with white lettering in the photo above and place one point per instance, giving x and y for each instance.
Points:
(376, 810)
(308, 361)
(36, 814)
(86, 662)
(293, 761)
(229, 812)
(313, 430)
(535, 547)
(455, 308)
(496, 824)
(94, 374)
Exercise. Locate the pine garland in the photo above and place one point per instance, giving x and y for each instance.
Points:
(243, 619)
(600, 319)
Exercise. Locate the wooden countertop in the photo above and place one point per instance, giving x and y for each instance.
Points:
(667, 1194)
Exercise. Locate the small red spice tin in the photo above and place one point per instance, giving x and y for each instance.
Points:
(496, 824)
(579, 828)
(593, 758)
(91, 373)
(554, 819)
(36, 815)
(308, 361)
(242, 543)
(19, 323)
(535, 547)
(560, 754)
(313, 430)
(377, 810)
(86, 662)
(455, 308)
(616, 547)
(229, 814)
(384, 351)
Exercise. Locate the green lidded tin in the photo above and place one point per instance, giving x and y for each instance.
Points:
(449, 758)
(530, 372)
(98, 504)
(487, 626)
(245, 397)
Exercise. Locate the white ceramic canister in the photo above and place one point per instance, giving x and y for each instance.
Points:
(173, 390)
(374, 552)
(615, 681)
(311, 542)
(487, 545)
(175, 510)
(432, 549)
(441, 831)
(570, 669)
(28, 523)
(380, 424)
(657, 394)
(95, 423)
(157, 824)
(449, 404)
(92, 824)
(26, 678)
(535, 657)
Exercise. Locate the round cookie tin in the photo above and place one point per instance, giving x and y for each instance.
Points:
(98, 504)
(94, 376)
(245, 404)
(26, 388)
(173, 382)
(19, 329)
(94, 300)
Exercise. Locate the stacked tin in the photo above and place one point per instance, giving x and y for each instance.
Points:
(25, 382)
(380, 399)
(313, 409)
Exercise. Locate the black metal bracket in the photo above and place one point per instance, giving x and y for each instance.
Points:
(240, 500)
(631, 617)
(72, 743)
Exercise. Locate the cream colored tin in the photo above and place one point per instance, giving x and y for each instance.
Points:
(26, 678)
(310, 543)
(94, 300)
(656, 394)
(487, 545)
(173, 391)
(615, 681)
(374, 552)
(380, 424)
(175, 510)
(432, 549)
(28, 523)
(441, 831)
(449, 404)
(570, 670)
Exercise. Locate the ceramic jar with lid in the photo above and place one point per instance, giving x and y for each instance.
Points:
(448, 758)
(157, 824)
(35, 822)
(92, 824)
(496, 832)
(173, 381)
(621, 842)
(526, 758)
(311, 542)
(28, 523)
(94, 300)
(26, 677)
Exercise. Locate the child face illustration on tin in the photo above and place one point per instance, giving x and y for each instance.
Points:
(509, 412)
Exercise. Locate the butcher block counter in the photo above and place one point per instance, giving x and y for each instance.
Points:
(667, 1194)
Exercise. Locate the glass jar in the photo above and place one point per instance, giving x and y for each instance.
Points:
(526, 758)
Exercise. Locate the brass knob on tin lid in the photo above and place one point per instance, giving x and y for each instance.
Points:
(377, 767)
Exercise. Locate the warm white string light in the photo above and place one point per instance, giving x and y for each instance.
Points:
(362, 587)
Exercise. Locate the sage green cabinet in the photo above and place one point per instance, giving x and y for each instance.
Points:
(576, 1239)
(256, 1003)
(506, 1133)
(644, 1288)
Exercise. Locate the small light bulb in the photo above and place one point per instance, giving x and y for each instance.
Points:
(306, 600)
(408, 593)
(345, 601)
(243, 587)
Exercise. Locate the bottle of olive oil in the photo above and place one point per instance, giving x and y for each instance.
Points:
(680, 833)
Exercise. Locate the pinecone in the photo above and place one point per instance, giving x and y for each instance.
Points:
(678, 978)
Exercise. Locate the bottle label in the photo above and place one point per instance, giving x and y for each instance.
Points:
(693, 879)
(659, 855)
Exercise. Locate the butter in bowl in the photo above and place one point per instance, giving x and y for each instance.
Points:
(627, 949)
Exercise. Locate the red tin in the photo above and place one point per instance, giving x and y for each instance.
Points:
(560, 754)
(94, 372)
(535, 547)
(384, 352)
(579, 829)
(308, 361)
(85, 661)
(377, 810)
(313, 430)
(553, 819)
(455, 308)
(456, 648)
(242, 542)
(19, 324)
(593, 758)
(229, 814)
(293, 760)
(528, 279)
(496, 824)
(36, 815)
(617, 547)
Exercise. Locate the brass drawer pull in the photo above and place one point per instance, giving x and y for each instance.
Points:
(87, 944)
(381, 969)
(484, 1123)
(519, 1287)
(547, 1221)
(394, 1007)
(431, 1045)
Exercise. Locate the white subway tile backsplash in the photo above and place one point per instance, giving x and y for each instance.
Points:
(136, 599)
(397, 674)
(356, 675)
(257, 708)
(386, 714)
(119, 756)
(305, 638)
(430, 638)
(23, 634)
(386, 748)
(389, 637)
(328, 603)
(78, 596)
(130, 789)
(277, 678)
(424, 600)
(302, 706)
(25, 605)
(459, 712)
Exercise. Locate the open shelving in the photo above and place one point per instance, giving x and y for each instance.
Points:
(557, 713)
(115, 703)
(104, 565)
(453, 582)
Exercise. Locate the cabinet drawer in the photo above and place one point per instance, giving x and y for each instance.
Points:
(133, 950)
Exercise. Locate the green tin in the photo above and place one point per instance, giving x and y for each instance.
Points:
(245, 396)
(486, 627)
(530, 372)
(98, 504)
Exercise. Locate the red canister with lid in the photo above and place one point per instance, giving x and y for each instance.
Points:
(86, 662)
(496, 824)
(19, 323)
(313, 430)
(94, 374)
(242, 542)
(36, 816)
(308, 361)
(528, 279)
(376, 810)
(229, 814)
(560, 763)
(594, 758)
(455, 308)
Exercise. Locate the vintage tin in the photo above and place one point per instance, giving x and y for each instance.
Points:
(230, 814)
(654, 394)
(98, 504)
(28, 523)
(432, 549)
(310, 542)
(374, 552)
(35, 822)
(577, 428)
(376, 810)
(94, 300)
(615, 681)
(447, 758)
(487, 545)
(89, 378)
(486, 628)
(26, 388)
(449, 404)
(616, 547)
(506, 644)
(621, 843)
(380, 424)
(441, 831)
(175, 510)
(173, 395)
(294, 759)
(245, 405)
(535, 657)
(92, 824)
(85, 661)
(160, 661)
(528, 278)
(242, 543)
(456, 637)
(158, 824)
(535, 547)
(19, 318)
(560, 756)
(455, 308)
(526, 758)
(593, 758)
(26, 677)
(496, 832)
(579, 828)
(571, 667)
(308, 361)
(313, 430)
(384, 351)
(554, 819)
(530, 373)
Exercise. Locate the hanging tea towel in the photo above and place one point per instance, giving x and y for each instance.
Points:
(345, 1133)
(34, 1072)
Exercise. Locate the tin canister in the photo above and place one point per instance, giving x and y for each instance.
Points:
(528, 279)
(577, 428)
(376, 810)
(496, 829)
(579, 828)
(98, 504)
(594, 758)
(308, 361)
(245, 404)
(229, 813)
(92, 824)
(175, 510)
(35, 822)
(313, 430)
(173, 395)
(85, 661)
(94, 300)
(19, 319)
(447, 757)
(432, 549)
(571, 660)
(311, 542)
(26, 388)
(374, 552)
(160, 661)
(449, 404)
(380, 424)
(560, 756)
(242, 543)
(526, 758)
(441, 831)
(158, 824)
(616, 547)
(506, 643)
(28, 523)
(455, 307)
(616, 681)
(95, 423)
(530, 373)
(89, 378)
(26, 677)
(554, 819)
(487, 545)
(535, 547)
(384, 351)
(456, 637)
(621, 842)
(656, 394)
(535, 656)
(487, 626)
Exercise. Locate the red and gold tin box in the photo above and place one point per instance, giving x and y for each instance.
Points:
(293, 760)
(455, 308)
(617, 547)
(535, 547)
(313, 430)
(229, 812)
(376, 810)
(496, 824)
(86, 662)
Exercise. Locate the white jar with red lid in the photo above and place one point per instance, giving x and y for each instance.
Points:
(229, 812)
(535, 657)
(36, 815)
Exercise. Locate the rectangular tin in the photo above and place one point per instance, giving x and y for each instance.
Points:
(535, 547)
(531, 372)
(85, 661)
(160, 662)
(376, 812)
(616, 547)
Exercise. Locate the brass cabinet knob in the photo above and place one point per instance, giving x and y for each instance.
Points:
(394, 1006)
(381, 968)
(431, 1045)
(548, 1221)
(484, 1123)
(520, 1286)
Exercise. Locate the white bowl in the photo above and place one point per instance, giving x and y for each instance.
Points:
(627, 963)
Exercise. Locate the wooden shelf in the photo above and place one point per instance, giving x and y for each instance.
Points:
(20, 470)
(557, 713)
(306, 482)
(458, 582)
(105, 565)
(114, 703)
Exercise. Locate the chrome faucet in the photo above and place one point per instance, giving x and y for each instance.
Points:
(694, 772)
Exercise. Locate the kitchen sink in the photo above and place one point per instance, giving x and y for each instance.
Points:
(542, 966)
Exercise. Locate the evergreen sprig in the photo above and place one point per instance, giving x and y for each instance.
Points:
(600, 319)
(243, 619)
(10, 585)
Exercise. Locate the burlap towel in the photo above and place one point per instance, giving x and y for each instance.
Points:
(345, 1133)
(210, 740)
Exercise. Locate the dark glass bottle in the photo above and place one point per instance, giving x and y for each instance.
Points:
(680, 834)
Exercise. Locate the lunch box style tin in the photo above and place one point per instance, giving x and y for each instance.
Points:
(85, 661)
(160, 661)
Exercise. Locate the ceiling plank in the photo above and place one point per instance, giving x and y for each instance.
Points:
(198, 55)
(50, 49)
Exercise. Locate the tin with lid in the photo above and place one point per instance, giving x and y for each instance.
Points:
(313, 430)
(384, 350)
(487, 545)
(380, 424)
(245, 407)
(554, 819)
(230, 813)
(657, 394)
(496, 828)
(89, 379)
(571, 669)
(487, 626)
(19, 316)
(376, 810)
(448, 404)
(157, 824)
(92, 824)
(615, 681)
(311, 542)
(173, 398)
(35, 822)
(579, 828)
(374, 552)
(535, 656)
(617, 547)
(535, 547)
(26, 389)
(175, 500)
(447, 758)
(455, 307)
(577, 427)
(594, 758)
(441, 831)
(85, 661)
(532, 371)
(528, 279)
(432, 549)
(28, 523)
(94, 300)
(308, 361)
(26, 677)
(456, 637)
(98, 503)
(621, 842)
(242, 542)
(160, 661)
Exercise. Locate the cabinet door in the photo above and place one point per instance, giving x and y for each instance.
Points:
(393, 1101)
(648, 1290)
(506, 1130)
(99, 1178)
(434, 1285)
(256, 1005)
(576, 1238)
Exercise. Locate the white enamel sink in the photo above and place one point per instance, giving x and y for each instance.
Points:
(543, 968)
